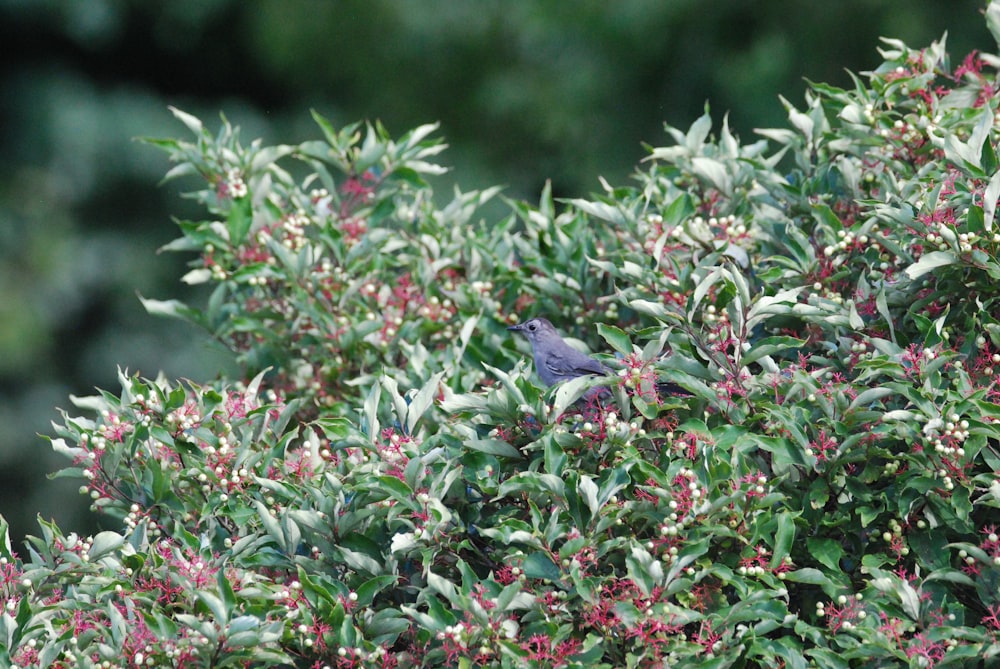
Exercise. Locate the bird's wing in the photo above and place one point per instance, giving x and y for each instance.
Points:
(571, 363)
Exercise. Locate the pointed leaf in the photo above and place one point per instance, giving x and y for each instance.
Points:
(616, 338)
(929, 262)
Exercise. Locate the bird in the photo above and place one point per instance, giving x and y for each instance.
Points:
(557, 361)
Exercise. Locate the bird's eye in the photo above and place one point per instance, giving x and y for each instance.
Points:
(532, 327)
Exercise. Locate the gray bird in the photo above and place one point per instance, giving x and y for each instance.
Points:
(556, 361)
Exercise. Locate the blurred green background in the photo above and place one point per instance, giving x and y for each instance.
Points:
(525, 91)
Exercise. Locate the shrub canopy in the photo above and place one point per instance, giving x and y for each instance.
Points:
(390, 486)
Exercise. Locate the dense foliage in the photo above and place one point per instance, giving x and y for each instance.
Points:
(389, 486)
(523, 94)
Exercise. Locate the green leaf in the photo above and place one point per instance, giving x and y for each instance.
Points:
(192, 122)
(588, 490)
(533, 482)
(616, 338)
(784, 451)
(870, 396)
(393, 487)
(827, 659)
(950, 576)
(104, 543)
(812, 577)
(908, 597)
(360, 561)
(370, 424)
(385, 626)
(568, 392)
(788, 649)
(961, 503)
(827, 551)
(883, 309)
(651, 308)
(268, 155)
(766, 306)
(929, 262)
(783, 538)
(976, 219)
(679, 209)
(226, 590)
(172, 308)
(422, 401)
(993, 20)
(239, 220)
(214, 605)
(611, 482)
(600, 210)
(5, 547)
(372, 151)
(769, 346)
(493, 447)
(540, 565)
(644, 569)
(444, 587)
(366, 591)
(270, 524)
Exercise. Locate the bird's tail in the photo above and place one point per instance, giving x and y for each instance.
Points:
(671, 389)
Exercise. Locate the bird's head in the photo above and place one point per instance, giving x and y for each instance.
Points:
(535, 329)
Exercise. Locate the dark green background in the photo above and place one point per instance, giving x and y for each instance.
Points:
(525, 91)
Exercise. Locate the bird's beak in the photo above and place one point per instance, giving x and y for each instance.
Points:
(516, 328)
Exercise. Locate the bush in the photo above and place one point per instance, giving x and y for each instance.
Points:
(388, 486)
